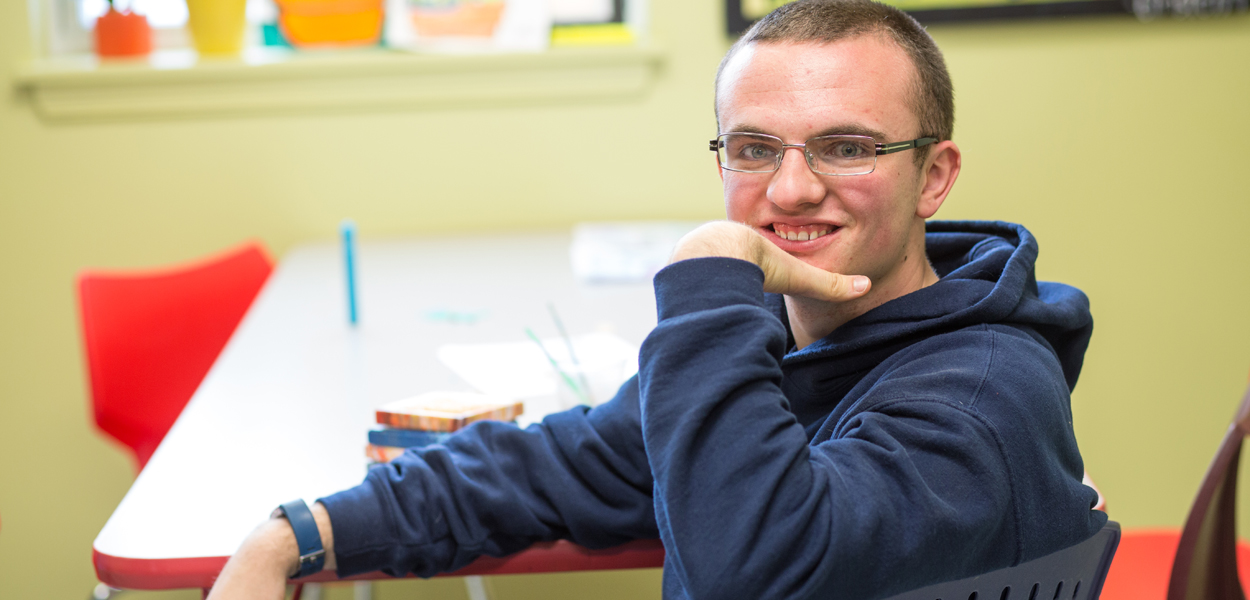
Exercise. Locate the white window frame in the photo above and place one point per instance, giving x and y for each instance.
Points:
(58, 30)
(64, 83)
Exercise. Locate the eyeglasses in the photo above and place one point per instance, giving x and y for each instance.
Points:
(826, 154)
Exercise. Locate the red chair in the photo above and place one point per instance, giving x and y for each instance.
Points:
(151, 337)
(1202, 561)
(1143, 564)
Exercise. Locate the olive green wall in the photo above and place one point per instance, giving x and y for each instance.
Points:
(1121, 144)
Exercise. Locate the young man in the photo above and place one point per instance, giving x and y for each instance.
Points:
(896, 416)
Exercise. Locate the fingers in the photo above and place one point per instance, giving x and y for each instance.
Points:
(785, 274)
(718, 238)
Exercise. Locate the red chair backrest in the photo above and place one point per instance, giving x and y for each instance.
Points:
(151, 337)
(1143, 564)
(1206, 556)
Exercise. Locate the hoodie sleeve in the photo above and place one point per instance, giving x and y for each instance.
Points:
(494, 489)
(914, 491)
(702, 450)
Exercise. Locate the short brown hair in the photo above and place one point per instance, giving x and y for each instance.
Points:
(828, 21)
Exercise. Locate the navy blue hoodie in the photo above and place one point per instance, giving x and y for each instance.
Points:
(926, 440)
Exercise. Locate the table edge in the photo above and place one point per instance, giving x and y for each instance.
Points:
(543, 557)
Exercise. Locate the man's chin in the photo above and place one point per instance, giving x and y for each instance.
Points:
(824, 258)
(824, 265)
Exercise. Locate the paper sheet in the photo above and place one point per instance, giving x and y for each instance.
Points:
(520, 370)
(624, 252)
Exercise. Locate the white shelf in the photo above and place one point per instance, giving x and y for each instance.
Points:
(175, 84)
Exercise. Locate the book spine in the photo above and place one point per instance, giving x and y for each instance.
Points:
(419, 422)
(401, 420)
(382, 454)
(503, 413)
(405, 438)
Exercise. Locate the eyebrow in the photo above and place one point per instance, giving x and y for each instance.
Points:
(849, 129)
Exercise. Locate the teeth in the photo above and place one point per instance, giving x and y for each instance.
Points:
(800, 236)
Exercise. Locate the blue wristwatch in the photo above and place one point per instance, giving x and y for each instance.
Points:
(312, 556)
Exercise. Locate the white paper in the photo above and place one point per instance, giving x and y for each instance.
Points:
(624, 252)
(520, 369)
(580, 11)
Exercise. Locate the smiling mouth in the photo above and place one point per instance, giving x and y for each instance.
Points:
(802, 233)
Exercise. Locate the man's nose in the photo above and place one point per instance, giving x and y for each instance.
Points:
(794, 184)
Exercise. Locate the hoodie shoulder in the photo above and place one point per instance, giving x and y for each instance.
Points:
(1014, 384)
(964, 366)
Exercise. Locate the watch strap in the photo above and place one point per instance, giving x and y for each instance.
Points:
(312, 556)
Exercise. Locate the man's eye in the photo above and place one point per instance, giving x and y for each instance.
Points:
(757, 152)
(846, 150)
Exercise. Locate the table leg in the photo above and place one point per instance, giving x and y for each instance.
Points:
(476, 587)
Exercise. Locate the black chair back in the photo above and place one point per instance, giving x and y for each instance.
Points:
(1074, 573)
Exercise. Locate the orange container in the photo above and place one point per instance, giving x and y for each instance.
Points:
(331, 22)
(120, 34)
(472, 19)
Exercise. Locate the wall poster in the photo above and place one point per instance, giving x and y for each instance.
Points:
(740, 14)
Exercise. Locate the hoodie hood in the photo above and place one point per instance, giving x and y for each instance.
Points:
(987, 277)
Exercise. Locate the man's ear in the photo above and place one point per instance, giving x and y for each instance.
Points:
(719, 171)
(940, 172)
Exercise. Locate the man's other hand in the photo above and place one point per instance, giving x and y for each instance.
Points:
(783, 274)
(260, 567)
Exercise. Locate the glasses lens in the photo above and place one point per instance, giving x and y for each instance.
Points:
(749, 152)
(842, 154)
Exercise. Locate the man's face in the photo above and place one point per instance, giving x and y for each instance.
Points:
(800, 91)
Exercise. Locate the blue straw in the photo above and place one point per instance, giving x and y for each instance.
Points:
(348, 231)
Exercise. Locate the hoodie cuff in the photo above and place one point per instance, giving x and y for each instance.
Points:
(357, 517)
(698, 284)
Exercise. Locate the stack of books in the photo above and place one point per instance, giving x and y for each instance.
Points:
(431, 418)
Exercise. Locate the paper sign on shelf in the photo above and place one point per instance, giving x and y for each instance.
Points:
(467, 26)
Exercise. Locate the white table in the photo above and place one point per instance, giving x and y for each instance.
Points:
(284, 411)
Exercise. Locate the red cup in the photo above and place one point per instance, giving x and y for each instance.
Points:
(119, 34)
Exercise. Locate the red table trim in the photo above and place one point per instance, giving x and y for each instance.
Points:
(545, 557)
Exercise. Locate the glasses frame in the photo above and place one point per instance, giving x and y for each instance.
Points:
(715, 144)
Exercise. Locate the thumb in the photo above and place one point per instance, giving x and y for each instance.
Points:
(796, 278)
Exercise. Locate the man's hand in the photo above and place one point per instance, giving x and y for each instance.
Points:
(263, 562)
(783, 274)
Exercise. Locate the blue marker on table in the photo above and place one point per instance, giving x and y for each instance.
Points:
(348, 231)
